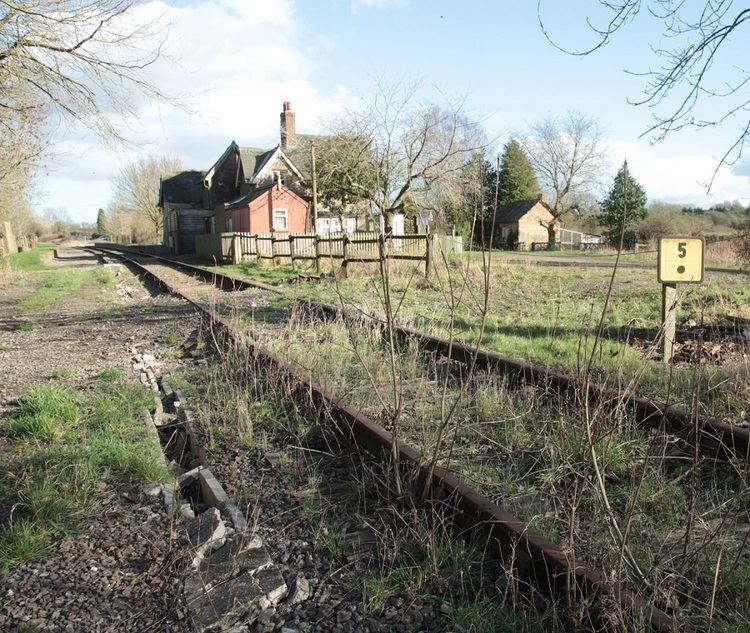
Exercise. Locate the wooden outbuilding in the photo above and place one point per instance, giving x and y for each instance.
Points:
(180, 200)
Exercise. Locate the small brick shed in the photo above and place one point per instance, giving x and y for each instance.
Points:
(522, 222)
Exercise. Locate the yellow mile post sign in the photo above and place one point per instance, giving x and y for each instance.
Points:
(680, 260)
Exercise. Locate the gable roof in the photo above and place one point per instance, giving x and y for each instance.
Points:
(268, 161)
(184, 187)
(253, 160)
(514, 211)
(257, 193)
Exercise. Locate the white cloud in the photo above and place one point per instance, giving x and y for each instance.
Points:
(679, 177)
(234, 62)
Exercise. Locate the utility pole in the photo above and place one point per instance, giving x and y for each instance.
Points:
(314, 188)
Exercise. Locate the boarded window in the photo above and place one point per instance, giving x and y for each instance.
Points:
(279, 220)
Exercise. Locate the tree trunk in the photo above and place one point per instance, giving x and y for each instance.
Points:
(389, 215)
(551, 234)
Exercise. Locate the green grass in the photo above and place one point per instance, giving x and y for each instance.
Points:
(550, 316)
(20, 541)
(265, 273)
(4, 347)
(171, 340)
(64, 443)
(31, 260)
(56, 285)
(44, 414)
(488, 616)
(63, 372)
(110, 374)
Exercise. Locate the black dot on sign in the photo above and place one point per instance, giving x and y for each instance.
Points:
(680, 269)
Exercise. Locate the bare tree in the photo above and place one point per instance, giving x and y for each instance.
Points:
(345, 171)
(408, 149)
(77, 60)
(136, 188)
(568, 155)
(684, 91)
(81, 58)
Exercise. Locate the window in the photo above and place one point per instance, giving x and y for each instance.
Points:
(279, 220)
(351, 225)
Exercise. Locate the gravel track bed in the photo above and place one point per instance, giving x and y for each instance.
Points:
(249, 308)
(121, 573)
(273, 498)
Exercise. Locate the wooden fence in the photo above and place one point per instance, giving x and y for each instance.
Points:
(344, 247)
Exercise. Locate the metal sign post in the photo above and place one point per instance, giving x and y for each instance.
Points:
(680, 261)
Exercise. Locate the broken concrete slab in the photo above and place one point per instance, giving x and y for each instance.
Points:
(211, 490)
(167, 498)
(232, 512)
(273, 585)
(206, 532)
(237, 556)
(224, 606)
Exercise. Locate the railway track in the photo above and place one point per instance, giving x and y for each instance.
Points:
(714, 436)
(536, 559)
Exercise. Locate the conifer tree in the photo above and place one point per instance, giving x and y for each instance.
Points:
(101, 223)
(517, 178)
(623, 207)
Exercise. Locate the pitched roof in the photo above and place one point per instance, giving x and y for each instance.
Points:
(253, 159)
(184, 187)
(516, 210)
(257, 193)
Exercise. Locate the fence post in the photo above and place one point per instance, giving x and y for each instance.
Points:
(291, 250)
(316, 245)
(236, 249)
(428, 256)
(345, 260)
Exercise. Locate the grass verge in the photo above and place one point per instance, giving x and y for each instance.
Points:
(31, 260)
(65, 445)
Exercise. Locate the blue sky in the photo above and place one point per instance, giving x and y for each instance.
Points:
(238, 60)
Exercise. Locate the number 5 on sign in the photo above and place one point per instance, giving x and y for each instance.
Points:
(680, 260)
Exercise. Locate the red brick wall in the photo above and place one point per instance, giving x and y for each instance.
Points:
(257, 217)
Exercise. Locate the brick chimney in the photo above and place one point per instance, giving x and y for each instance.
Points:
(544, 197)
(288, 127)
